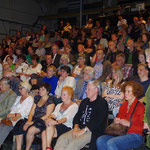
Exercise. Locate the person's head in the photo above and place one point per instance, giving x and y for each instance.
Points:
(100, 46)
(39, 44)
(24, 88)
(34, 90)
(67, 93)
(142, 57)
(6, 67)
(81, 59)
(145, 37)
(89, 41)
(4, 84)
(117, 73)
(21, 58)
(90, 21)
(100, 54)
(35, 59)
(132, 90)
(49, 58)
(64, 59)
(65, 71)
(143, 71)
(92, 90)
(80, 48)
(147, 52)
(44, 89)
(10, 51)
(30, 50)
(65, 42)
(88, 73)
(55, 49)
(51, 70)
(46, 39)
(135, 20)
(68, 49)
(18, 51)
(130, 43)
(120, 59)
(114, 37)
(111, 46)
(9, 60)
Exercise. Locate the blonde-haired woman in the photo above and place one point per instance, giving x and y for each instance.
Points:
(61, 119)
(112, 92)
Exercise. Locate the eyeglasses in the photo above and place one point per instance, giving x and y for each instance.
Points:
(20, 88)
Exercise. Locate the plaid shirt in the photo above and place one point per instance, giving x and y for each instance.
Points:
(127, 71)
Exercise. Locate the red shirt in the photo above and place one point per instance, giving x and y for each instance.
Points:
(137, 119)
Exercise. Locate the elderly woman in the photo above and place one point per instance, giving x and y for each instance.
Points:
(42, 108)
(147, 101)
(64, 61)
(19, 110)
(61, 119)
(133, 138)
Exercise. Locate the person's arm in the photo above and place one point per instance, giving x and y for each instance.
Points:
(121, 96)
(31, 114)
(88, 50)
(49, 111)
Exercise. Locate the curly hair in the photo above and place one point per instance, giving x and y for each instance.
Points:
(137, 88)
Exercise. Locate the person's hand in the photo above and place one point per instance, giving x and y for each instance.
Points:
(74, 132)
(80, 132)
(117, 120)
(27, 124)
(50, 122)
(125, 122)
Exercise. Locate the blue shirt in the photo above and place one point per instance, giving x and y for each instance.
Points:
(52, 81)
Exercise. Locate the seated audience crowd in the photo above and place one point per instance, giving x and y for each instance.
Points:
(69, 85)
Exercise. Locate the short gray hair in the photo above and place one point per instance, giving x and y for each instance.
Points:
(90, 70)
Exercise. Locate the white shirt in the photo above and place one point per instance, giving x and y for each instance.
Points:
(69, 113)
(69, 81)
(1, 70)
(22, 108)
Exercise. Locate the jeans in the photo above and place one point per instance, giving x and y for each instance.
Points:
(124, 142)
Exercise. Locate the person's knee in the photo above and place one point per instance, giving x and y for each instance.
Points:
(30, 132)
(111, 144)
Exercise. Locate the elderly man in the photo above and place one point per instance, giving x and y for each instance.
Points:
(80, 90)
(7, 97)
(89, 122)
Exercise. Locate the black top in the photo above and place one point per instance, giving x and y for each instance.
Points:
(41, 111)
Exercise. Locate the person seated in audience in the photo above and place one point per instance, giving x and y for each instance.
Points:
(30, 53)
(143, 78)
(89, 25)
(21, 65)
(147, 102)
(127, 69)
(80, 90)
(64, 61)
(61, 119)
(67, 51)
(15, 81)
(81, 51)
(9, 61)
(112, 92)
(36, 40)
(89, 47)
(47, 44)
(19, 110)
(42, 108)
(56, 56)
(68, 27)
(79, 67)
(99, 63)
(34, 90)
(89, 122)
(46, 63)
(7, 97)
(121, 22)
(51, 78)
(134, 137)
(141, 57)
(64, 80)
(131, 55)
(145, 39)
(35, 68)
(40, 51)
(112, 52)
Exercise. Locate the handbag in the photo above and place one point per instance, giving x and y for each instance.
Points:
(117, 129)
(6, 121)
